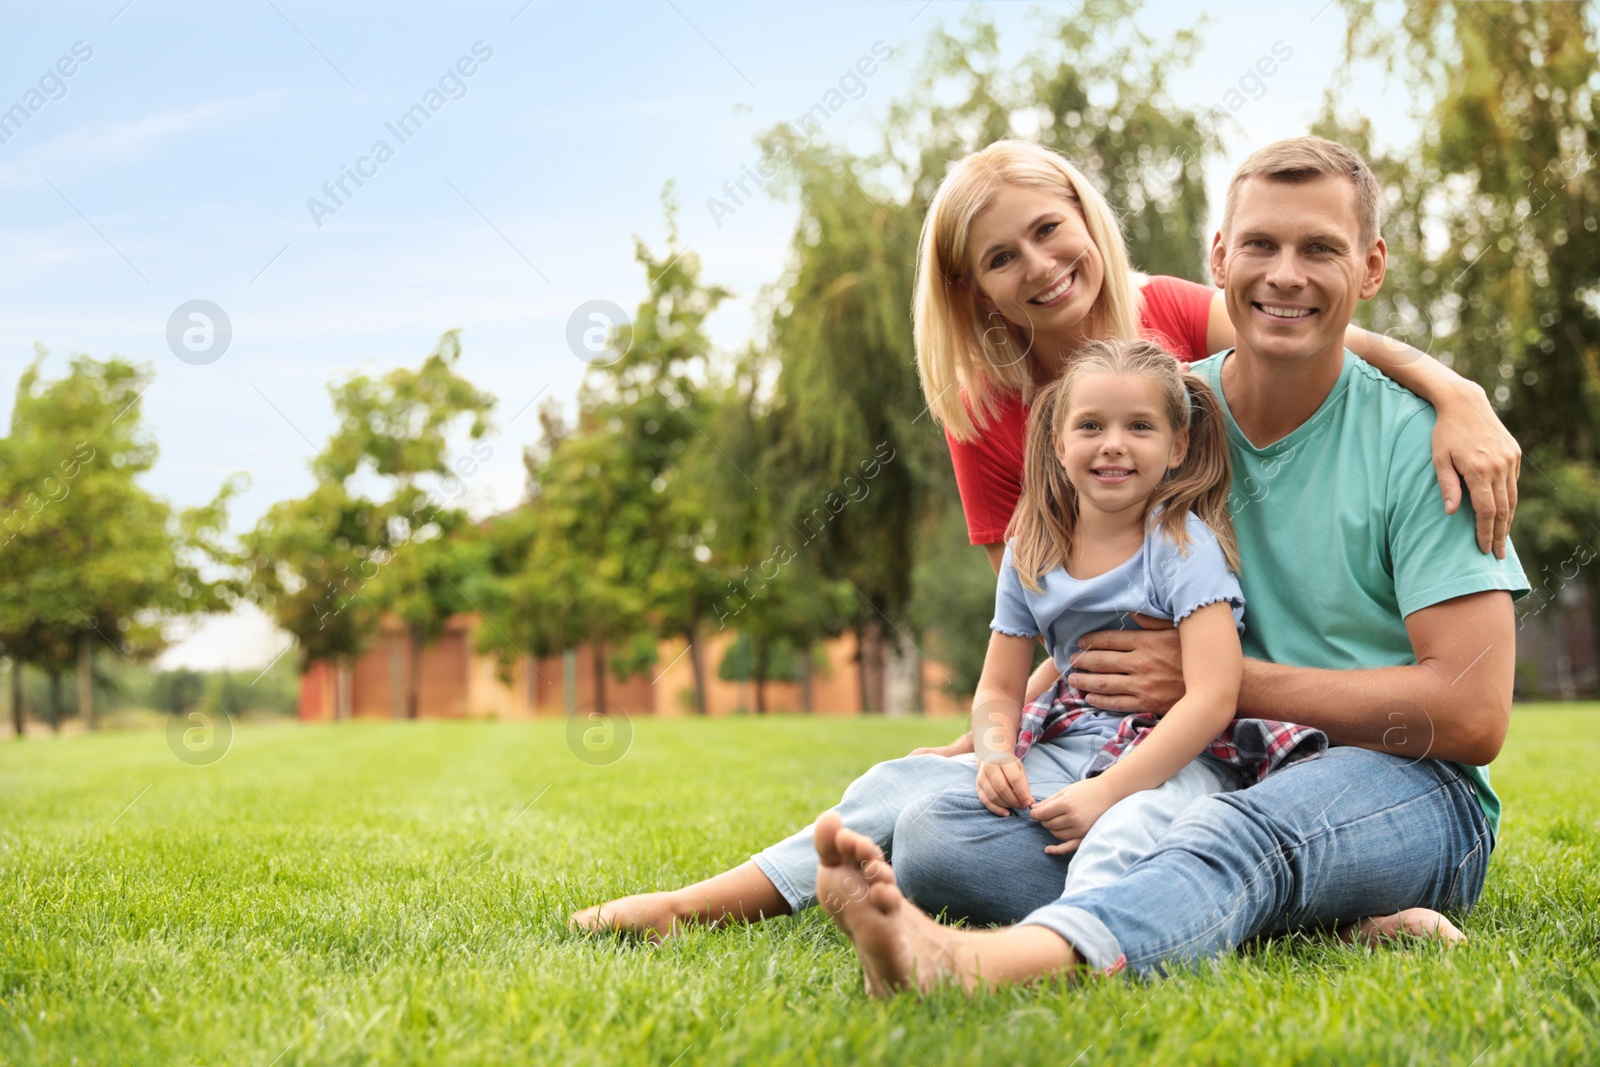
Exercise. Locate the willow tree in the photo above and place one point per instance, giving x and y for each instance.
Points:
(1506, 180)
(775, 597)
(847, 442)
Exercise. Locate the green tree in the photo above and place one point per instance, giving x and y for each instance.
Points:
(430, 581)
(846, 448)
(654, 402)
(616, 550)
(307, 561)
(327, 565)
(176, 691)
(399, 427)
(1505, 181)
(774, 596)
(92, 558)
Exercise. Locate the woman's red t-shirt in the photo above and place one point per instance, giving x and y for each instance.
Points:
(1173, 312)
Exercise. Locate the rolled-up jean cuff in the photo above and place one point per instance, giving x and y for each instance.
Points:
(797, 901)
(1093, 941)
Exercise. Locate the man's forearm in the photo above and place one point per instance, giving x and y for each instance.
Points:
(1411, 711)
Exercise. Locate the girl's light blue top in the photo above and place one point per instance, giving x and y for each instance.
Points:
(1160, 580)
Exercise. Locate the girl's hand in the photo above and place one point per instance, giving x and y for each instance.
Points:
(1070, 813)
(1003, 785)
(1471, 445)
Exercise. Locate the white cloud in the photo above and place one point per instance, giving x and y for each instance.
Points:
(113, 144)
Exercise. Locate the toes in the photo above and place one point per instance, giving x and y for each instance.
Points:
(864, 853)
(885, 895)
(826, 838)
(1423, 922)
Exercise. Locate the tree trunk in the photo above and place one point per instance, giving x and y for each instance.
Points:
(919, 689)
(1564, 687)
(569, 680)
(19, 714)
(55, 700)
(86, 677)
(414, 670)
(807, 697)
(870, 665)
(397, 680)
(343, 684)
(1591, 607)
(763, 654)
(861, 669)
(698, 663)
(597, 653)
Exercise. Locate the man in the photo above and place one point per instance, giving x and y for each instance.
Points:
(1370, 615)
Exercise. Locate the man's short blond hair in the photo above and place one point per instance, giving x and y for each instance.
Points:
(1303, 159)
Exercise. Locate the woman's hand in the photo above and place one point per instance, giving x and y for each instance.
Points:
(1069, 814)
(1003, 786)
(1471, 445)
(1130, 670)
(959, 747)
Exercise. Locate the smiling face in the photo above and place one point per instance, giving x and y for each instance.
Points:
(1293, 268)
(1117, 442)
(1035, 263)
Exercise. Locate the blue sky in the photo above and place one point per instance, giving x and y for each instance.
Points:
(175, 163)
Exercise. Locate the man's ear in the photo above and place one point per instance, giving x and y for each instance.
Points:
(1376, 264)
(1219, 261)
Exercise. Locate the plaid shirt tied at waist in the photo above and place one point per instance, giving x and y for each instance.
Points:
(1256, 747)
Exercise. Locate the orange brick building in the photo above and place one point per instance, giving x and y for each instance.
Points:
(458, 682)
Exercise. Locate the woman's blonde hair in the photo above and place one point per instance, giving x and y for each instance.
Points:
(1046, 517)
(955, 351)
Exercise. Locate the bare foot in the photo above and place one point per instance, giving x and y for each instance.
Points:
(899, 946)
(652, 916)
(1413, 922)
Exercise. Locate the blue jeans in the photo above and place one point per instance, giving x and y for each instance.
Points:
(1318, 844)
(871, 805)
(903, 805)
(999, 871)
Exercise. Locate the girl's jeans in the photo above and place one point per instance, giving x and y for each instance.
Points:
(905, 805)
(1320, 843)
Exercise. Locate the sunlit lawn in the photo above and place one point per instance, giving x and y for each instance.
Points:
(399, 893)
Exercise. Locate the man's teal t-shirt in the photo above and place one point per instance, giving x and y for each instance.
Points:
(1343, 533)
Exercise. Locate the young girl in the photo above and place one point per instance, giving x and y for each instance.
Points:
(1124, 511)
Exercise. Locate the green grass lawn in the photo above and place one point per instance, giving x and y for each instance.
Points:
(399, 893)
